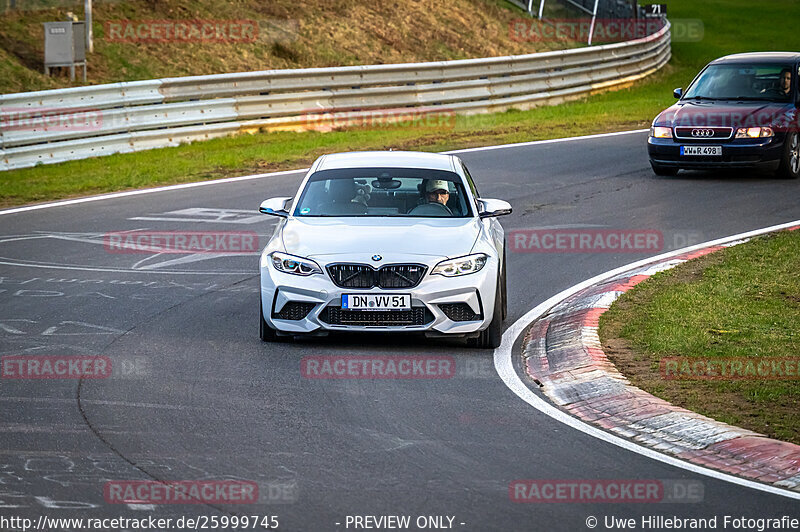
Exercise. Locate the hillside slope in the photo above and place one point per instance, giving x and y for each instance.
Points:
(291, 34)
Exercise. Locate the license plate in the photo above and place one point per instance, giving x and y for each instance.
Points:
(376, 301)
(702, 151)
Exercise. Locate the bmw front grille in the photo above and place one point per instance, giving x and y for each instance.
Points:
(365, 276)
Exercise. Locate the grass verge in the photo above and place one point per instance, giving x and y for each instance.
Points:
(246, 154)
(729, 26)
(738, 304)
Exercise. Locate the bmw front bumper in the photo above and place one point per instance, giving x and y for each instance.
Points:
(441, 306)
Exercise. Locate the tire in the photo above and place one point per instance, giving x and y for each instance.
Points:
(491, 337)
(266, 332)
(790, 162)
(664, 171)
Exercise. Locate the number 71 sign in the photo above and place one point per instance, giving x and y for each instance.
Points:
(655, 10)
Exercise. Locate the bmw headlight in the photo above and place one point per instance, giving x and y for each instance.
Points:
(461, 265)
(661, 132)
(291, 264)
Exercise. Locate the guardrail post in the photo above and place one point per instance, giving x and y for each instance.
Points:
(87, 12)
(594, 17)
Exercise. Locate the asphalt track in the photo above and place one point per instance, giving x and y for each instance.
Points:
(197, 395)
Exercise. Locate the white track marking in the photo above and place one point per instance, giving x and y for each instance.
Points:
(99, 240)
(5, 261)
(145, 264)
(547, 141)
(505, 368)
(128, 193)
(126, 404)
(116, 195)
(206, 215)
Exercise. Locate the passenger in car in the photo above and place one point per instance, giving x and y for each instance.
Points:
(342, 198)
(362, 194)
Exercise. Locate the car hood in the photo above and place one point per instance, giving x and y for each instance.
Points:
(392, 238)
(725, 114)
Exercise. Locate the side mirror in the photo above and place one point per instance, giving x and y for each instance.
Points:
(275, 207)
(488, 208)
(677, 92)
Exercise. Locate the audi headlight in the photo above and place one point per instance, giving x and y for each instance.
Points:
(296, 265)
(661, 132)
(461, 265)
(754, 132)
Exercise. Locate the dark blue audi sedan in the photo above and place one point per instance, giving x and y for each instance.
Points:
(740, 111)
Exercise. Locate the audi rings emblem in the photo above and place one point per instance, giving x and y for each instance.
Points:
(702, 132)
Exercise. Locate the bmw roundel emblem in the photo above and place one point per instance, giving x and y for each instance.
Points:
(377, 258)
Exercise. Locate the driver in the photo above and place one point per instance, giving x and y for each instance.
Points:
(437, 191)
(785, 82)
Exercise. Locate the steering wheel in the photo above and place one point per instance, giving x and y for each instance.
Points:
(431, 209)
(775, 91)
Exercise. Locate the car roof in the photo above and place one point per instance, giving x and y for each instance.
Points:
(762, 57)
(389, 159)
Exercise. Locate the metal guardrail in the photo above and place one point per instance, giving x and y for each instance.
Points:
(77, 123)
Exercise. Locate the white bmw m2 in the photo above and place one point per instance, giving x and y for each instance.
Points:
(385, 241)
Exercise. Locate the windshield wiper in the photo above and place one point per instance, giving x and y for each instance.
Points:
(731, 98)
(700, 98)
(753, 99)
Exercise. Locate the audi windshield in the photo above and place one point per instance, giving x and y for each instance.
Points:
(768, 82)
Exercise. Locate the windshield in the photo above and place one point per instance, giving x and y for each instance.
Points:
(743, 82)
(396, 192)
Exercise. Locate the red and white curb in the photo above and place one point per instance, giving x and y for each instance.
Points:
(561, 351)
